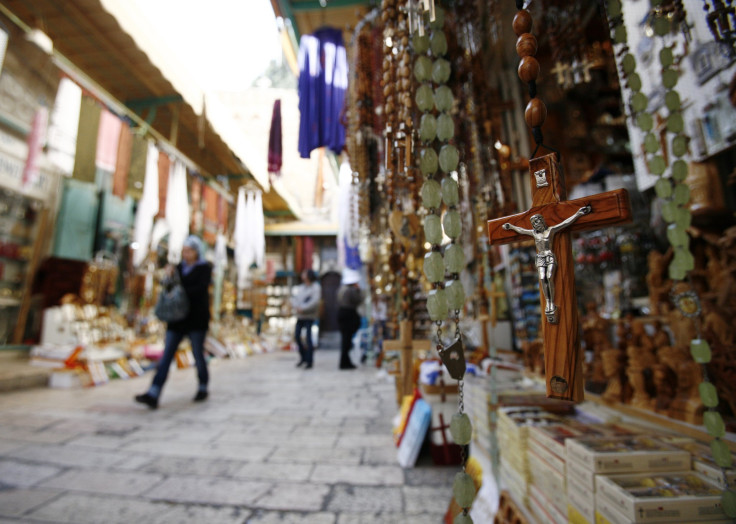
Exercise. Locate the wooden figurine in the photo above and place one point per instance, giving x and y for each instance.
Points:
(686, 404)
(658, 283)
(613, 365)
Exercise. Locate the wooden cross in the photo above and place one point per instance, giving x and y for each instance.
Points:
(407, 347)
(562, 354)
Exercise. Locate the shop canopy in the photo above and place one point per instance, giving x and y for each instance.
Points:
(88, 40)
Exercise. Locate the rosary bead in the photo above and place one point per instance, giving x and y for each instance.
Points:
(462, 518)
(463, 488)
(437, 304)
(683, 217)
(421, 43)
(452, 224)
(679, 146)
(721, 453)
(700, 350)
(443, 98)
(679, 170)
(428, 161)
(433, 229)
(675, 123)
(526, 45)
(677, 236)
(423, 69)
(431, 194)
(713, 423)
(535, 113)
(450, 192)
(455, 295)
(445, 127)
(438, 43)
(522, 22)
(461, 429)
(708, 394)
(440, 71)
(449, 158)
(454, 258)
(427, 127)
(528, 69)
(424, 98)
(728, 501)
(663, 187)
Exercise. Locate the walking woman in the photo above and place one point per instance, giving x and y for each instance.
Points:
(195, 274)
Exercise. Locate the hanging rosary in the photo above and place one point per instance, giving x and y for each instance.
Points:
(437, 128)
(671, 188)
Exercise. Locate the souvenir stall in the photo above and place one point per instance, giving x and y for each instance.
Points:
(546, 209)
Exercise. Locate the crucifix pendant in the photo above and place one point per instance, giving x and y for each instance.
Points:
(562, 354)
(453, 357)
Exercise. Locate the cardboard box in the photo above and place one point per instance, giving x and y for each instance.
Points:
(683, 496)
(575, 517)
(627, 454)
(705, 464)
(550, 458)
(543, 508)
(581, 499)
(549, 481)
(578, 472)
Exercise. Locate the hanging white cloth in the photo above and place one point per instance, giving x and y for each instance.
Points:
(177, 209)
(147, 207)
(259, 238)
(62, 136)
(220, 253)
(240, 234)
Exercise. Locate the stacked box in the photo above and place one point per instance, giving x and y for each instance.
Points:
(512, 433)
(544, 509)
(684, 496)
(476, 398)
(705, 464)
(590, 457)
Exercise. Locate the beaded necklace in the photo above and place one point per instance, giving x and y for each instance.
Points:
(437, 129)
(671, 188)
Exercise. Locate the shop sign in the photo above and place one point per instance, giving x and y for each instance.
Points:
(12, 161)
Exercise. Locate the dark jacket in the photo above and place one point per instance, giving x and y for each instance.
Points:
(196, 285)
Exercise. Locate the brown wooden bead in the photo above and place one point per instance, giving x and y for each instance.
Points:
(526, 45)
(528, 69)
(522, 22)
(535, 113)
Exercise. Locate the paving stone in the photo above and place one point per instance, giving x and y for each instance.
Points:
(80, 508)
(389, 518)
(104, 482)
(384, 455)
(294, 496)
(16, 502)
(7, 447)
(63, 455)
(193, 466)
(364, 441)
(279, 517)
(271, 471)
(187, 514)
(426, 499)
(430, 475)
(358, 475)
(23, 475)
(206, 490)
(366, 499)
(315, 456)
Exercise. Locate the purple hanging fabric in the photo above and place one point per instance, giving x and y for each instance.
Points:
(275, 150)
(323, 82)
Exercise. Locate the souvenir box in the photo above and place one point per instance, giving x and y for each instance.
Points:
(581, 498)
(683, 496)
(556, 462)
(607, 455)
(544, 509)
(549, 481)
(704, 464)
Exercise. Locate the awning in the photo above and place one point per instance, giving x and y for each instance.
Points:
(89, 38)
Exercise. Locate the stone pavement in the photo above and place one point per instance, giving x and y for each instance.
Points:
(273, 444)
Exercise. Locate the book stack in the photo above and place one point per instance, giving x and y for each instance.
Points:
(512, 433)
(477, 399)
(591, 458)
(658, 497)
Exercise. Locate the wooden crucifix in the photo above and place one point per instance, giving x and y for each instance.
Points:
(562, 354)
(407, 347)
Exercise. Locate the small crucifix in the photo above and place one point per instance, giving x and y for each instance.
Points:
(553, 218)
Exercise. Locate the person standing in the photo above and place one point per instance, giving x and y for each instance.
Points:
(195, 275)
(349, 297)
(306, 305)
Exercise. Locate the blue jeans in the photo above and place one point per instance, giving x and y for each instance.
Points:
(171, 344)
(305, 353)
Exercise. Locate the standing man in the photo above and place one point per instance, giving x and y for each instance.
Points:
(349, 297)
(306, 305)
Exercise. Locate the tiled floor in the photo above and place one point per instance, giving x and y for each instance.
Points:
(273, 444)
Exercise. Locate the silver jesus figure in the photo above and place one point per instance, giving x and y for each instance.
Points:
(546, 261)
